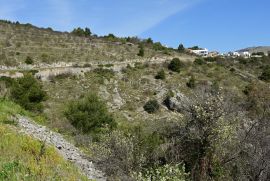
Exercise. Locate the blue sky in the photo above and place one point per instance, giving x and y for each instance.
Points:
(221, 25)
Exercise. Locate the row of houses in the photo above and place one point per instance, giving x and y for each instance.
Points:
(206, 53)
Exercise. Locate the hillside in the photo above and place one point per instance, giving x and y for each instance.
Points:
(17, 42)
(24, 158)
(265, 49)
(162, 115)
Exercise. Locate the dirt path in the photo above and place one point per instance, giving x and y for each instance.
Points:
(66, 149)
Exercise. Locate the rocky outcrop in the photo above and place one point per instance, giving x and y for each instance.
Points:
(179, 102)
(66, 149)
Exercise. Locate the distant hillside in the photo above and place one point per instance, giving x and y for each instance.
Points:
(264, 49)
(19, 41)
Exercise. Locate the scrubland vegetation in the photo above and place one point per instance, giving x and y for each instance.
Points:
(178, 120)
(23, 158)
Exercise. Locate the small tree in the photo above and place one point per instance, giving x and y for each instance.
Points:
(29, 60)
(198, 143)
(265, 74)
(191, 82)
(199, 61)
(181, 48)
(151, 106)
(149, 41)
(141, 51)
(87, 32)
(28, 93)
(89, 115)
(161, 75)
(175, 65)
(81, 32)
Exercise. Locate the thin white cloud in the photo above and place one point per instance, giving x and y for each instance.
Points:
(146, 16)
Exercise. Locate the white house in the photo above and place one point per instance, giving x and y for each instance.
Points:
(245, 54)
(201, 52)
(234, 54)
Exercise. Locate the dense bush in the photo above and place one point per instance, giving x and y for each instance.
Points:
(89, 114)
(122, 153)
(151, 106)
(163, 173)
(258, 53)
(199, 61)
(81, 32)
(181, 48)
(175, 65)
(141, 51)
(161, 75)
(210, 59)
(158, 46)
(191, 82)
(28, 93)
(29, 60)
(265, 74)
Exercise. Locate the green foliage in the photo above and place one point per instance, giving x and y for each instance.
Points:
(128, 151)
(181, 48)
(198, 142)
(151, 106)
(23, 158)
(265, 74)
(210, 59)
(89, 115)
(199, 61)
(195, 48)
(141, 51)
(175, 65)
(28, 93)
(161, 75)
(259, 53)
(29, 60)
(158, 46)
(149, 41)
(191, 83)
(7, 80)
(163, 173)
(104, 73)
(81, 32)
(242, 60)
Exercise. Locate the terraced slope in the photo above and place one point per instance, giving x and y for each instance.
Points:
(47, 46)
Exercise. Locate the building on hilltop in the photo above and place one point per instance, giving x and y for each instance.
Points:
(245, 54)
(200, 52)
(213, 54)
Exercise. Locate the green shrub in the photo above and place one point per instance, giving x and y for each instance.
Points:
(151, 106)
(106, 73)
(210, 59)
(89, 115)
(265, 74)
(191, 82)
(166, 172)
(158, 46)
(28, 93)
(141, 51)
(81, 32)
(199, 61)
(181, 48)
(7, 80)
(161, 75)
(28, 60)
(175, 65)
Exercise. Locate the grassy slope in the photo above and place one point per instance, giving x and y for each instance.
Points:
(45, 46)
(23, 158)
(135, 86)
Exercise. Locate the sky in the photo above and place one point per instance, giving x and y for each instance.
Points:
(221, 25)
